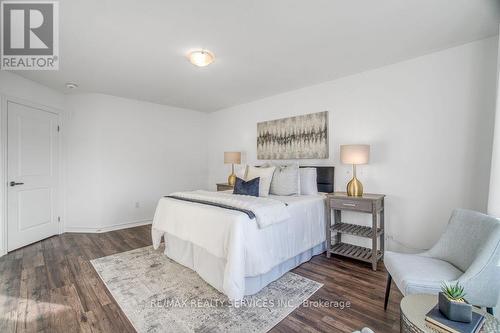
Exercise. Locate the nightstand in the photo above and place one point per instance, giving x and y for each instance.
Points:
(224, 187)
(369, 203)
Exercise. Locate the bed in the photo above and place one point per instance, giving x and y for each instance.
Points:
(232, 252)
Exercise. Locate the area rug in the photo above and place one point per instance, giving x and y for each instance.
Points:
(159, 295)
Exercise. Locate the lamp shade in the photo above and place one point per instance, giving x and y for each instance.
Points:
(354, 154)
(232, 157)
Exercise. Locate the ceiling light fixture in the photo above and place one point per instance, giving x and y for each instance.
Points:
(71, 85)
(201, 58)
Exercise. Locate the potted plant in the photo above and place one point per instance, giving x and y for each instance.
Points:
(452, 303)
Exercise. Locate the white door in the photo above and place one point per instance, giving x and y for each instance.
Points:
(32, 174)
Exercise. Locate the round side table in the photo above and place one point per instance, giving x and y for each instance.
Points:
(415, 307)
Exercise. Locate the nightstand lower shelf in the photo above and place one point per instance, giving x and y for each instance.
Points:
(354, 251)
(356, 230)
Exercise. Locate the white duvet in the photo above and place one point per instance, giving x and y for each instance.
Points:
(248, 248)
(267, 211)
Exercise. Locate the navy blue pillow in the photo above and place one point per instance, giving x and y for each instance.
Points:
(250, 187)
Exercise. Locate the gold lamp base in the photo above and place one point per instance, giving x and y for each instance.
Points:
(355, 188)
(231, 180)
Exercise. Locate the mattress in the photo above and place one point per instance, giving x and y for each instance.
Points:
(304, 230)
(267, 253)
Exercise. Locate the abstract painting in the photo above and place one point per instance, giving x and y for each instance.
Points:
(293, 138)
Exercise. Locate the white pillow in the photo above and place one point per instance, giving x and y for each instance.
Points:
(265, 175)
(240, 171)
(286, 180)
(308, 181)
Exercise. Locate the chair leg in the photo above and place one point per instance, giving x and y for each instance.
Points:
(387, 290)
(490, 311)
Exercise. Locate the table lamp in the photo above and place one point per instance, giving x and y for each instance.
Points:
(354, 154)
(232, 157)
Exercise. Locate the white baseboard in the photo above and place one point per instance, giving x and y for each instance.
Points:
(107, 228)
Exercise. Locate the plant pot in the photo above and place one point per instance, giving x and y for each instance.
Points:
(456, 311)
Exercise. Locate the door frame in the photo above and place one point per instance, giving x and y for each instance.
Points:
(4, 99)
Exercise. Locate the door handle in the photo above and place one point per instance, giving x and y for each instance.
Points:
(15, 184)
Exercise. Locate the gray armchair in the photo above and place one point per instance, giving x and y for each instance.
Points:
(467, 252)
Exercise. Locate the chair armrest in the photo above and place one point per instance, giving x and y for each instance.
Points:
(482, 279)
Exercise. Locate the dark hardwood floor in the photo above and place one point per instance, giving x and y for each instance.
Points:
(50, 286)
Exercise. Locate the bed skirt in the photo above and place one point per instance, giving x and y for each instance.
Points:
(211, 268)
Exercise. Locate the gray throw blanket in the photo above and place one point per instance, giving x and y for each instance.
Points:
(249, 213)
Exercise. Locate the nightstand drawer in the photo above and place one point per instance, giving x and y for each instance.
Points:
(356, 205)
(224, 187)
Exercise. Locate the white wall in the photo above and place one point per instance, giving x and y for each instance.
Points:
(121, 152)
(118, 152)
(429, 122)
(494, 194)
(12, 85)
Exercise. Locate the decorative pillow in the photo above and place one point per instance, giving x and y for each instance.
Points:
(285, 180)
(265, 175)
(308, 181)
(250, 187)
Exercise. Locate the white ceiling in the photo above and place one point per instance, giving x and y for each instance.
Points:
(137, 49)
